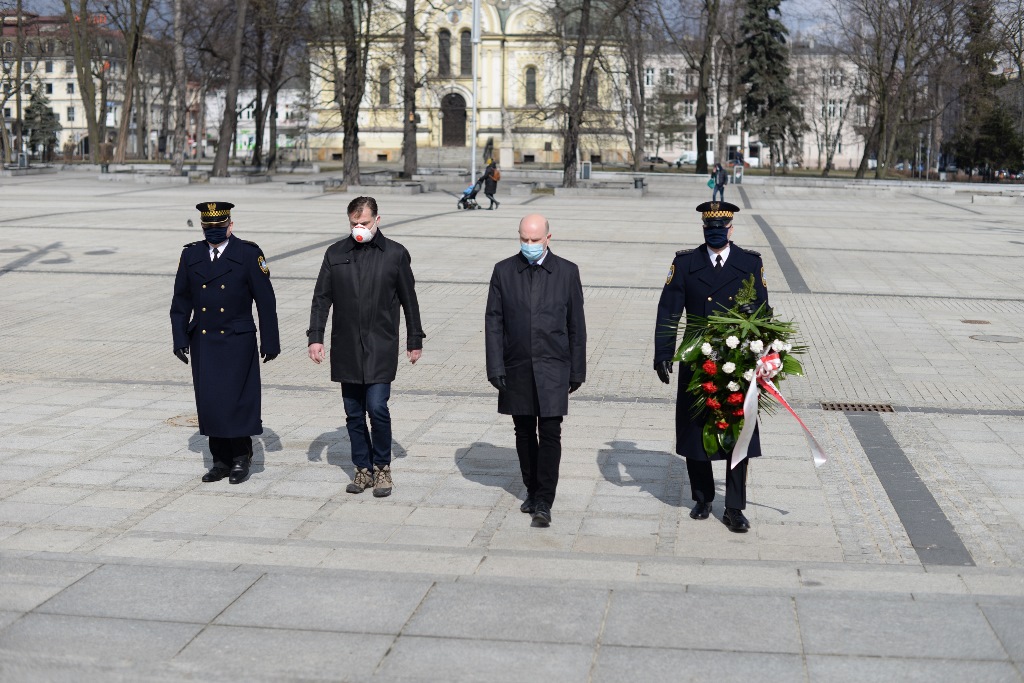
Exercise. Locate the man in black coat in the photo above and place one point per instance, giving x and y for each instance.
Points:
(536, 340)
(217, 282)
(365, 278)
(700, 282)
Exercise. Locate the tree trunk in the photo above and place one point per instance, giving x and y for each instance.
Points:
(409, 148)
(133, 33)
(260, 110)
(227, 126)
(574, 115)
(272, 151)
(180, 86)
(869, 143)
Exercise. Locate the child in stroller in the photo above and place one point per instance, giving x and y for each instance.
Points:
(468, 198)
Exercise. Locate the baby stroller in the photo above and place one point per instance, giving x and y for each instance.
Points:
(468, 198)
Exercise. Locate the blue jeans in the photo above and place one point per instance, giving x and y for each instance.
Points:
(362, 400)
(720, 191)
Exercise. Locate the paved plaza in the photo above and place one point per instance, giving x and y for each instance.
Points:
(901, 559)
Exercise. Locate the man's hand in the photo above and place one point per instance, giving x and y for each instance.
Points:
(267, 357)
(664, 369)
(498, 382)
(414, 355)
(316, 353)
(182, 354)
(573, 386)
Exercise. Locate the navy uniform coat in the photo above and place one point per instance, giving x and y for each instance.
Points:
(535, 332)
(692, 286)
(365, 284)
(211, 314)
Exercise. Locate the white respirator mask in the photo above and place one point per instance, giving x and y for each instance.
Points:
(363, 235)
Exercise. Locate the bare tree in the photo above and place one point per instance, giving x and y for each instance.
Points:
(130, 17)
(636, 36)
(15, 75)
(228, 123)
(409, 86)
(180, 87)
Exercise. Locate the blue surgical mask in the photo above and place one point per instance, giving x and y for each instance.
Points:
(215, 235)
(716, 238)
(532, 252)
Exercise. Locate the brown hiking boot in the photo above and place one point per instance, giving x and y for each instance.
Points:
(382, 481)
(362, 481)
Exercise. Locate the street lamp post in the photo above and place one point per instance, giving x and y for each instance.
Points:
(476, 50)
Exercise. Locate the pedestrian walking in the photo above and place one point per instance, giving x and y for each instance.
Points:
(721, 178)
(701, 282)
(366, 278)
(491, 177)
(218, 280)
(536, 349)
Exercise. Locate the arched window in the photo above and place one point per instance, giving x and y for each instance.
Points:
(385, 86)
(531, 85)
(465, 54)
(444, 52)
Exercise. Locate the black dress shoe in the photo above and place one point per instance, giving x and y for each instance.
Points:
(239, 472)
(700, 511)
(216, 474)
(529, 505)
(541, 514)
(735, 520)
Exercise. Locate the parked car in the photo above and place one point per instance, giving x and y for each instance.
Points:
(655, 160)
(686, 159)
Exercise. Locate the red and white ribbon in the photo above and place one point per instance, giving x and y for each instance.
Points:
(768, 366)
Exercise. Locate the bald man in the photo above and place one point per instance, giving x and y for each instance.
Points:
(536, 339)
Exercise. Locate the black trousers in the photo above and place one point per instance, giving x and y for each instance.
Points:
(227, 451)
(491, 197)
(702, 482)
(539, 445)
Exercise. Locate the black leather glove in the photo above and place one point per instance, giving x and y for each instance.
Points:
(498, 382)
(267, 357)
(182, 354)
(664, 369)
(573, 386)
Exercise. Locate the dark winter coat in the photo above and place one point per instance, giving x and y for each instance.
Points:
(721, 177)
(365, 284)
(490, 184)
(692, 286)
(536, 334)
(211, 314)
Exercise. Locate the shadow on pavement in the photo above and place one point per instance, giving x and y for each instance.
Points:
(268, 442)
(333, 446)
(657, 473)
(490, 465)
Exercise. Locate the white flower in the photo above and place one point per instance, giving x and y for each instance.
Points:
(787, 347)
(705, 348)
(757, 346)
(732, 386)
(728, 368)
(778, 345)
(748, 375)
(732, 342)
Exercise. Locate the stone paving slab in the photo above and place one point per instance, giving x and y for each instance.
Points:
(103, 519)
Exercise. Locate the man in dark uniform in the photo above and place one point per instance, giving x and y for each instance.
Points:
(536, 347)
(700, 282)
(218, 280)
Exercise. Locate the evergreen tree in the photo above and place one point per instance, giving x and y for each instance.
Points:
(769, 105)
(978, 102)
(41, 123)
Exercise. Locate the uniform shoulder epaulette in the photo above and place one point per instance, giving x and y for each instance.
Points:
(755, 253)
(191, 244)
(251, 243)
(683, 251)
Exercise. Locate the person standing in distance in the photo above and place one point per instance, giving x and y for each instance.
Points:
(721, 178)
(217, 282)
(536, 348)
(366, 278)
(701, 282)
(491, 177)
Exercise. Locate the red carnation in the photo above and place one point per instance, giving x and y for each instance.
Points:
(735, 399)
(714, 404)
(710, 367)
(738, 412)
(709, 387)
(722, 424)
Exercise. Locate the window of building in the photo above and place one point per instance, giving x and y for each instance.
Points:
(27, 67)
(531, 85)
(49, 67)
(649, 76)
(711, 144)
(835, 78)
(71, 88)
(28, 88)
(7, 88)
(691, 80)
(668, 77)
(465, 54)
(69, 66)
(444, 52)
(7, 112)
(591, 90)
(49, 88)
(9, 47)
(686, 107)
(71, 113)
(385, 86)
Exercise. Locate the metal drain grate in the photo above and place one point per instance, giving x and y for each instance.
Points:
(857, 407)
(976, 322)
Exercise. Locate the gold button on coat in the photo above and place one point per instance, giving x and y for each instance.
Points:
(222, 331)
(204, 309)
(709, 298)
(222, 310)
(222, 286)
(204, 331)
(204, 286)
